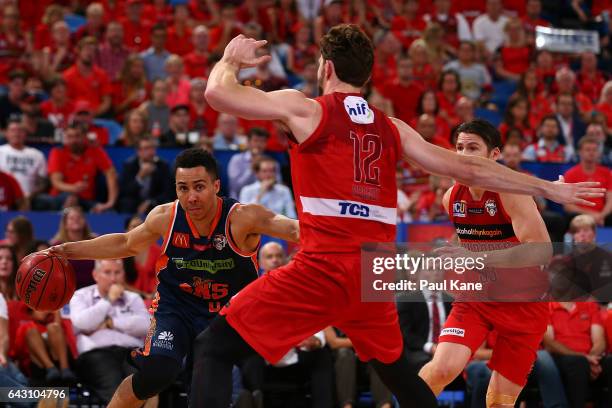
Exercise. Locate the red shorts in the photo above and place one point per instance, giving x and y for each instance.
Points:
(287, 305)
(519, 326)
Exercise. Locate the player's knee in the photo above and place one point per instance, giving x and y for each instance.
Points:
(498, 400)
(155, 375)
(440, 373)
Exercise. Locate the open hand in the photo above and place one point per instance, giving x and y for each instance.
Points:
(242, 52)
(575, 193)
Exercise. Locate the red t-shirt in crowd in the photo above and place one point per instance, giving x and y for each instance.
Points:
(136, 36)
(404, 98)
(79, 168)
(196, 65)
(606, 109)
(90, 88)
(58, 115)
(572, 328)
(10, 192)
(601, 174)
(407, 30)
(515, 59)
(177, 43)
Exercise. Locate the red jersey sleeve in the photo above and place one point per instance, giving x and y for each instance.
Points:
(55, 161)
(103, 162)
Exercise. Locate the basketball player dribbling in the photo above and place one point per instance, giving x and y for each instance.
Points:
(343, 160)
(520, 325)
(209, 253)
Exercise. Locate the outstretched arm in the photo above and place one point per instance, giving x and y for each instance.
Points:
(114, 246)
(251, 220)
(225, 94)
(487, 174)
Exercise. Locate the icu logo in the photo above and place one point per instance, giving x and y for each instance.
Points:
(180, 240)
(452, 331)
(354, 209)
(459, 208)
(491, 207)
(219, 241)
(358, 110)
(166, 335)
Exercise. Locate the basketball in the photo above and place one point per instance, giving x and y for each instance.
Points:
(45, 282)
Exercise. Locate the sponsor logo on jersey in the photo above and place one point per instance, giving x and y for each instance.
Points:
(180, 240)
(205, 288)
(479, 232)
(491, 207)
(219, 241)
(459, 208)
(360, 210)
(208, 265)
(477, 210)
(358, 110)
(453, 331)
(164, 340)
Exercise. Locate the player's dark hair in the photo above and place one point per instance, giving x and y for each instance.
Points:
(195, 157)
(351, 51)
(484, 129)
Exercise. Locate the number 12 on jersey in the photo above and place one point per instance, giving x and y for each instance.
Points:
(367, 149)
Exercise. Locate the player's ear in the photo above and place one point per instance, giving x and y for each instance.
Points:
(329, 69)
(495, 153)
(217, 186)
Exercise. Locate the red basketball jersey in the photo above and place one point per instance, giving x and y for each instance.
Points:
(344, 177)
(483, 220)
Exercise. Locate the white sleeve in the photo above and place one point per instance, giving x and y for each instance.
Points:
(477, 30)
(321, 336)
(41, 165)
(3, 308)
(463, 28)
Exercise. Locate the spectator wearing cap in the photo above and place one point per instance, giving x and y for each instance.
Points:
(155, 56)
(179, 33)
(240, 167)
(112, 53)
(26, 164)
(58, 108)
(136, 28)
(589, 169)
(37, 128)
(145, 181)
(157, 109)
(196, 62)
(178, 83)
(94, 26)
(226, 135)
(203, 118)
(10, 103)
(73, 169)
(179, 133)
(87, 81)
(57, 56)
(548, 149)
(83, 116)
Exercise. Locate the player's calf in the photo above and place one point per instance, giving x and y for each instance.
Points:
(498, 400)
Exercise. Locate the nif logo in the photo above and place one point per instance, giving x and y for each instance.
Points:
(354, 209)
(358, 110)
(37, 277)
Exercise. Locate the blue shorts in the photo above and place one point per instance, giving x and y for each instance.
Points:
(172, 331)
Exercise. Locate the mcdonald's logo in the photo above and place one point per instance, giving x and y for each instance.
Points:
(180, 240)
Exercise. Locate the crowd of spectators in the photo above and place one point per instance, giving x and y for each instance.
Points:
(73, 72)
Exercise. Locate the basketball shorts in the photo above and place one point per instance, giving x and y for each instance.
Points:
(287, 305)
(520, 328)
